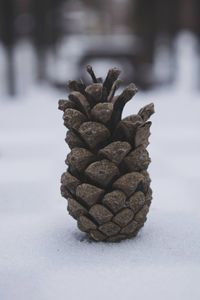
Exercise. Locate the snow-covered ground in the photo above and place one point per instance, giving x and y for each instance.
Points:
(43, 256)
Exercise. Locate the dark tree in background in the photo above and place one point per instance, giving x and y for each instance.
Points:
(152, 19)
(47, 30)
(38, 20)
(7, 34)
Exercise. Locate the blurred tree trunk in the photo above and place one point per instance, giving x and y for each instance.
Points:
(39, 9)
(11, 71)
(46, 30)
(7, 17)
(153, 19)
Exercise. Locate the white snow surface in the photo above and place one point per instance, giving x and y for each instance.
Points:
(44, 256)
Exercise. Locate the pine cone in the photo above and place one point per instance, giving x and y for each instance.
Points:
(107, 185)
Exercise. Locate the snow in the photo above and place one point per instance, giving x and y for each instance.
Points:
(43, 255)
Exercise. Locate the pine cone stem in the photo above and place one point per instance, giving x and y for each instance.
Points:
(91, 72)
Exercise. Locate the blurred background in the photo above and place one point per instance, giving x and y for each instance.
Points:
(45, 43)
(50, 41)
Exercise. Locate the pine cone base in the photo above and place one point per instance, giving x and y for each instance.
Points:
(107, 185)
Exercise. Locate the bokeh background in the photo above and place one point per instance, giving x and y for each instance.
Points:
(45, 43)
(51, 41)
